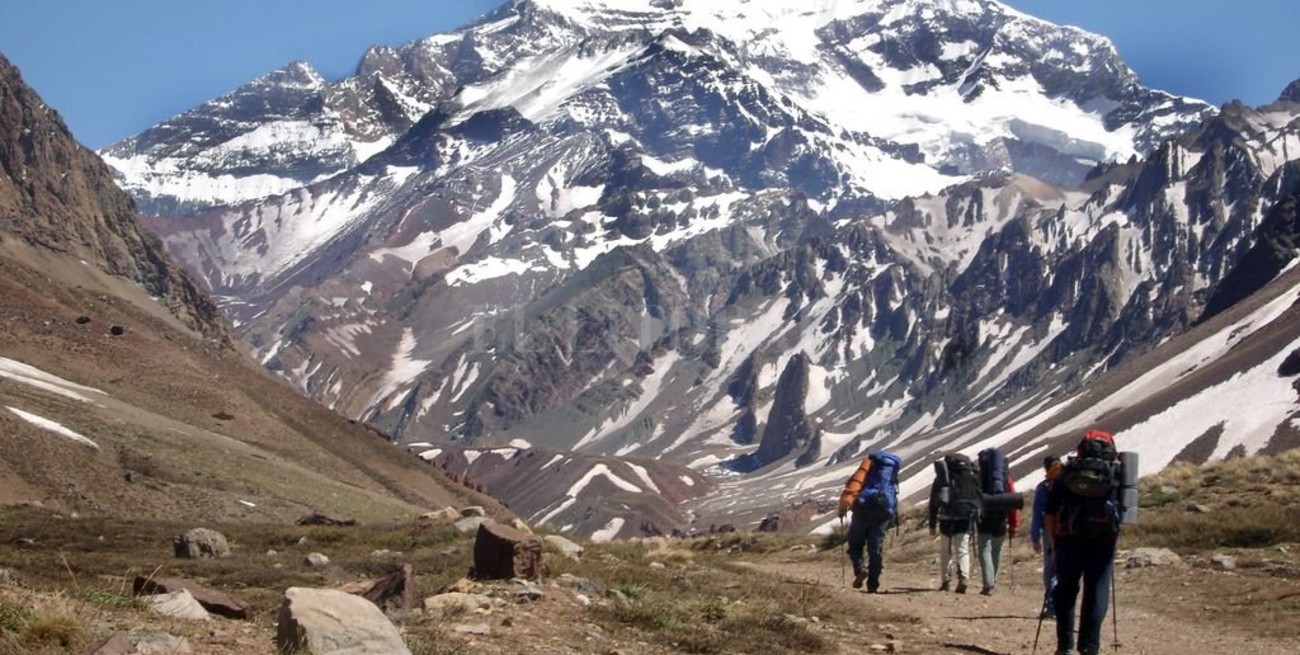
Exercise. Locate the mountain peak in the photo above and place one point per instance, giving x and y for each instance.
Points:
(1291, 93)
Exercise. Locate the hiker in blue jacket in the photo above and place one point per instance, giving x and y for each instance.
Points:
(1051, 468)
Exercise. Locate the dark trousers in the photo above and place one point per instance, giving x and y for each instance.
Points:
(868, 533)
(1093, 561)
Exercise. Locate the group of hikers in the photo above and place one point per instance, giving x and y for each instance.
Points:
(1075, 520)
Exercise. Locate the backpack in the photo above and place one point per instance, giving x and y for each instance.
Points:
(993, 471)
(957, 473)
(1092, 479)
(1094, 471)
(878, 500)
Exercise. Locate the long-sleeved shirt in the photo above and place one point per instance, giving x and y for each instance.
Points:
(854, 486)
(1036, 518)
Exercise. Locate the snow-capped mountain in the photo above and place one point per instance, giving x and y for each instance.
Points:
(755, 238)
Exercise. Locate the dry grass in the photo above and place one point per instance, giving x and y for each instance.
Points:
(1253, 502)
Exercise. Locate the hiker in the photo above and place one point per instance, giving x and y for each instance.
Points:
(996, 522)
(954, 508)
(872, 494)
(1083, 520)
(1041, 543)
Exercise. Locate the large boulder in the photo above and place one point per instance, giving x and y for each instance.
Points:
(332, 622)
(566, 547)
(216, 602)
(502, 552)
(201, 542)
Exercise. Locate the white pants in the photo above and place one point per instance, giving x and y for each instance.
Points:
(962, 541)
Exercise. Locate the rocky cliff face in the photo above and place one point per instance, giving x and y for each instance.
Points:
(58, 195)
(883, 223)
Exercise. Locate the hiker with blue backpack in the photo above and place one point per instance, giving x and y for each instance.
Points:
(872, 494)
(999, 514)
(1095, 492)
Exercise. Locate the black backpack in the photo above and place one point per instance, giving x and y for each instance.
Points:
(1094, 471)
(963, 488)
(1092, 478)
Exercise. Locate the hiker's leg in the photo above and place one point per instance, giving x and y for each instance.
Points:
(996, 547)
(945, 558)
(875, 555)
(1099, 562)
(962, 540)
(1049, 576)
(1069, 568)
(987, 570)
(857, 539)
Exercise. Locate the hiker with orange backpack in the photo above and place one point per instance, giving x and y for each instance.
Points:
(872, 494)
(1082, 514)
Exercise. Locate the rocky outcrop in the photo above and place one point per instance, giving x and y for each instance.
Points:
(201, 543)
(326, 622)
(503, 553)
(57, 195)
(789, 429)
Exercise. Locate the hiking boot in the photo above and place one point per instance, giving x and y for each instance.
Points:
(858, 579)
(1047, 613)
(961, 586)
(873, 588)
(987, 591)
(944, 586)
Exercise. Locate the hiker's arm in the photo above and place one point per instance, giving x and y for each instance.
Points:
(1013, 520)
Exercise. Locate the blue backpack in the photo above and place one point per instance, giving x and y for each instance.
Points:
(878, 500)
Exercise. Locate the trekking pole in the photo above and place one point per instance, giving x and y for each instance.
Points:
(1041, 613)
(843, 560)
(1114, 607)
(1012, 548)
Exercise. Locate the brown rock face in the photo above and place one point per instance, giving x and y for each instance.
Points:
(212, 600)
(56, 194)
(502, 552)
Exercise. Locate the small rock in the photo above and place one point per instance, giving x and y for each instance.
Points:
(480, 629)
(582, 599)
(507, 622)
(1144, 557)
(566, 547)
(461, 586)
(162, 644)
(303, 540)
(271, 553)
(82, 320)
(118, 644)
(6, 577)
(529, 595)
(1197, 508)
(894, 646)
(316, 560)
(117, 331)
(878, 648)
(658, 565)
(444, 515)
(1225, 562)
(473, 510)
(25, 542)
(382, 552)
(201, 543)
(1168, 491)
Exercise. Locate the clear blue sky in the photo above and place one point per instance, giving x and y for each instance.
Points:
(115, 67)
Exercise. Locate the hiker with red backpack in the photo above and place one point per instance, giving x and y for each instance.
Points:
(1083, 514)
(998, 518)
(954, 509)
(872, 494)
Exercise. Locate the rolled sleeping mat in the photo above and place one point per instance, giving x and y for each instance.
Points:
(1128, 503)
(941, 473)
(1129, 465)
(1002, 503)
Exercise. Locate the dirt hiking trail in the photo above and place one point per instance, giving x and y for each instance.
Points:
(1160, 612)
